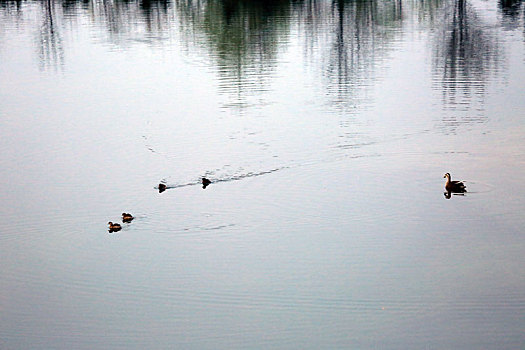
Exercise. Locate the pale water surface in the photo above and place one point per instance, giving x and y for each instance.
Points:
(325, 127)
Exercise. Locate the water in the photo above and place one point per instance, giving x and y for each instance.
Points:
(325, 128)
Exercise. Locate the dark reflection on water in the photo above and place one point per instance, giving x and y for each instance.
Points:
(363, 31)
(11, 5)
(129, 22)
(467, 54)
(244, 39)
(51, 50)
(448, 194)
(510, 9)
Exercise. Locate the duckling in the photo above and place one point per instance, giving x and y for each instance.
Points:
(127, 217)
(113, 227)
(205, 182)
(454, 186)
(162, 188)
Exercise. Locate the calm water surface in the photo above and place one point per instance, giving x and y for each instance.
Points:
(325, 127)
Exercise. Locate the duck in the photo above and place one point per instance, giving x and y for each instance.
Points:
(162, 188)
(454, 186)
(114, 227)
(127, 217)
(205, 182)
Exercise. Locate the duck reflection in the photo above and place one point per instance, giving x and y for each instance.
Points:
(448, 194)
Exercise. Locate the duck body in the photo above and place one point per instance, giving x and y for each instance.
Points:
(162, 188)
(205, 182)
(454, 186)
(113, 227)
(127, 217)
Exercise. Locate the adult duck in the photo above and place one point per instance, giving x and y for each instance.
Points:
(127, 217)
(205, 182)
(454, 186)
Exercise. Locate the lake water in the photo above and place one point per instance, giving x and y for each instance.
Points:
(325, 127)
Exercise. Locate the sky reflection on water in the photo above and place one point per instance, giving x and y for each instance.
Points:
(325, 128)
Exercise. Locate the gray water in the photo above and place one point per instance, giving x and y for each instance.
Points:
(325, 128)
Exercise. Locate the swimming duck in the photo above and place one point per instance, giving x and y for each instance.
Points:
(127, 217)
(162, 188)
(454, 186)
(113, 227)
(205, 182)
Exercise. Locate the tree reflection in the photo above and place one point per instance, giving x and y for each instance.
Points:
(510, 8)
(242, 37)
(51, 50)
(511, 11)
(346, 40)
(358, 42)
(8, 5)
(133, 21)
(10, 11)
(466, 55)
(155, 13)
